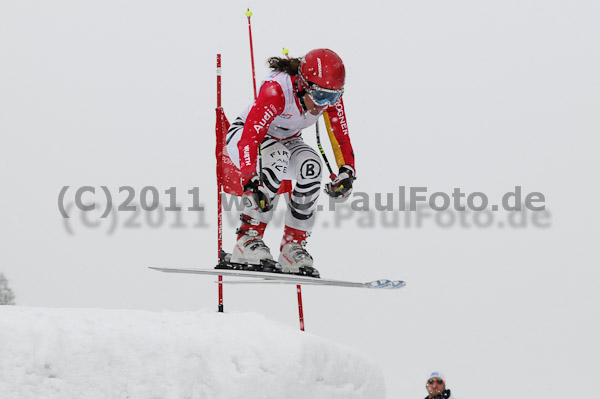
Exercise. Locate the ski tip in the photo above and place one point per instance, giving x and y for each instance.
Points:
(396, 284)
(379, 283)
(388, 284)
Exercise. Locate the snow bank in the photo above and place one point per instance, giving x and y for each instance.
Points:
(105, 354)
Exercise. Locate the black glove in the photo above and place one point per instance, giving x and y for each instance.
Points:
(256, 195)
(341, 186)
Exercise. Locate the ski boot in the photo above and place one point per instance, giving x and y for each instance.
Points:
(293, 257)
(250, 251)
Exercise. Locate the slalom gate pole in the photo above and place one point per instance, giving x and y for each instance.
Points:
(286, 52)
(299, 290)
(219, 177)
(249, 14)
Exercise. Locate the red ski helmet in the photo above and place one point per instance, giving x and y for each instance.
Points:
(322, 68)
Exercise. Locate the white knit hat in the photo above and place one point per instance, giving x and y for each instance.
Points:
(437, 374)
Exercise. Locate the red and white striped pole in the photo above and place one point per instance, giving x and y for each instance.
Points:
(300, 311)
(286, 52)
(219, 153)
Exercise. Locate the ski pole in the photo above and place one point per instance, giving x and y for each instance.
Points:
(249, 14)
(332, 175)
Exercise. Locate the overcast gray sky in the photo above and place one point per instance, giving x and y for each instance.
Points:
(479, 95)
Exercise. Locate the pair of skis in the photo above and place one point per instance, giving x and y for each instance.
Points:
(270, 272)
(258, 277)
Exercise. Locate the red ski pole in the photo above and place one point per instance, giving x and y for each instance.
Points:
(249, 14)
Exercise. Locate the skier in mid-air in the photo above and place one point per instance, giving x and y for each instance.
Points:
(291, 98)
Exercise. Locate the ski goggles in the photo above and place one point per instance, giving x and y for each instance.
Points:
(321, 96)
(439, 381)
(324, 97)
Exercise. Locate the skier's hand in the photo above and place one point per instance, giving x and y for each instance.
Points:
(341, 186)
(255, 195)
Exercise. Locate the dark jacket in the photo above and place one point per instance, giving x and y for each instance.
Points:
(443, 395)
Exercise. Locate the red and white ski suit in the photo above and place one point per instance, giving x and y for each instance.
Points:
(275, 121)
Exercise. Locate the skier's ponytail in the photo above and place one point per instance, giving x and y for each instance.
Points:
(289, 66)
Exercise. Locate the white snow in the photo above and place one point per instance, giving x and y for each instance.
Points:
(92, 353)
